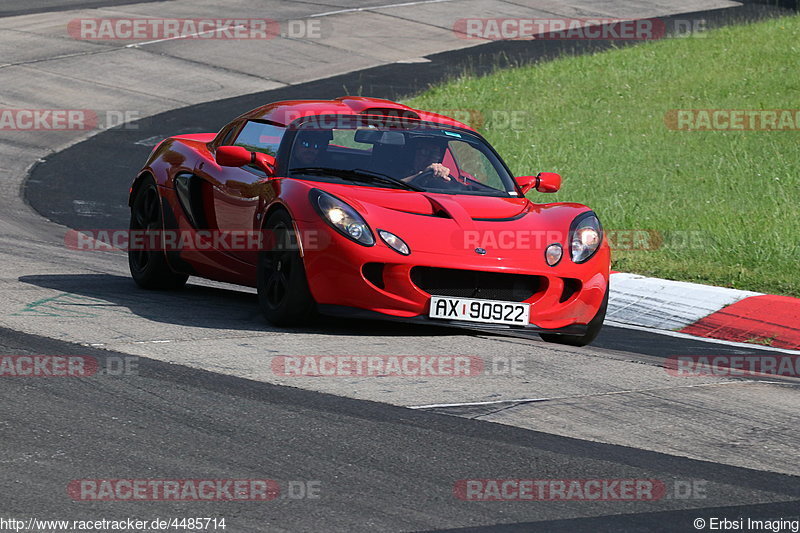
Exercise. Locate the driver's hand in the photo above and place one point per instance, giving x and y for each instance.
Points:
(439, 170)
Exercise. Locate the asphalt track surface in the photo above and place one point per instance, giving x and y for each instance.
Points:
(10, 8)
(97, 173)
(381, 467)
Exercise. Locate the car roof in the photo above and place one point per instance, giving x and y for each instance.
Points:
(287, 111)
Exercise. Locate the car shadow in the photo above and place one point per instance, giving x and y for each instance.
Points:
(89, 295)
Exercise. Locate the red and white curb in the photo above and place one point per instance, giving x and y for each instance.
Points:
(705, 311)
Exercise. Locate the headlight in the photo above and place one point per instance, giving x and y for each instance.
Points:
(553, 254)
(394, 242)
(342, 217)
(585, 237)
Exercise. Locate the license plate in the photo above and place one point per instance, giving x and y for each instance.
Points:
(486, 311)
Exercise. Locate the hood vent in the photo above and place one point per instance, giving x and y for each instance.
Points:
(438, 209)
(391, 112)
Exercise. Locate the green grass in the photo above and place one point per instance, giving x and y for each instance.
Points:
(598, 120)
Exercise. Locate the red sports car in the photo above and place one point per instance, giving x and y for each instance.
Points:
(364, 207)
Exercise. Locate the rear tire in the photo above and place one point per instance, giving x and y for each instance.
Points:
(595, 325)
(283, 293)
(149, 268)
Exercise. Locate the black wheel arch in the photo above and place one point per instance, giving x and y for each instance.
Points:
(137, 183)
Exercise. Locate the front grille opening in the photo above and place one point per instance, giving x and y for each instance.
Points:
(373, 272)
(571, 288)
(477, 284)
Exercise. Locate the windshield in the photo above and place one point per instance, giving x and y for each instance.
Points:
(397, 153)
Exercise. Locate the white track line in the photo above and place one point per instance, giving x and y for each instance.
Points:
(533, 400)
(385, 6)
(188, 35)
(327, 13)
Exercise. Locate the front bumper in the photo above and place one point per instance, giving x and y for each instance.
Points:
(340, 311)
(348, 279)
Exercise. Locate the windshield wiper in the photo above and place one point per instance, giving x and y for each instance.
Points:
(387, 178)
(357, 174)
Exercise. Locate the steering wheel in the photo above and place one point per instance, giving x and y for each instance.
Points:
(428, 179)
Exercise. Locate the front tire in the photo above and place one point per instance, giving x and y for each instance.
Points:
(595, 325)
(149, 268)
(283, 293)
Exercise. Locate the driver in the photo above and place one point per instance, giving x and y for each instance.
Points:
(427, 158)
(310, 148)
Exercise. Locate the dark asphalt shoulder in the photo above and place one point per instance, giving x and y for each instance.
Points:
(379, 467)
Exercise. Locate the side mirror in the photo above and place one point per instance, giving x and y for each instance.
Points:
(233, 156)
(239, 156)
(548, 182)
(265, 162)
(542, 182)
